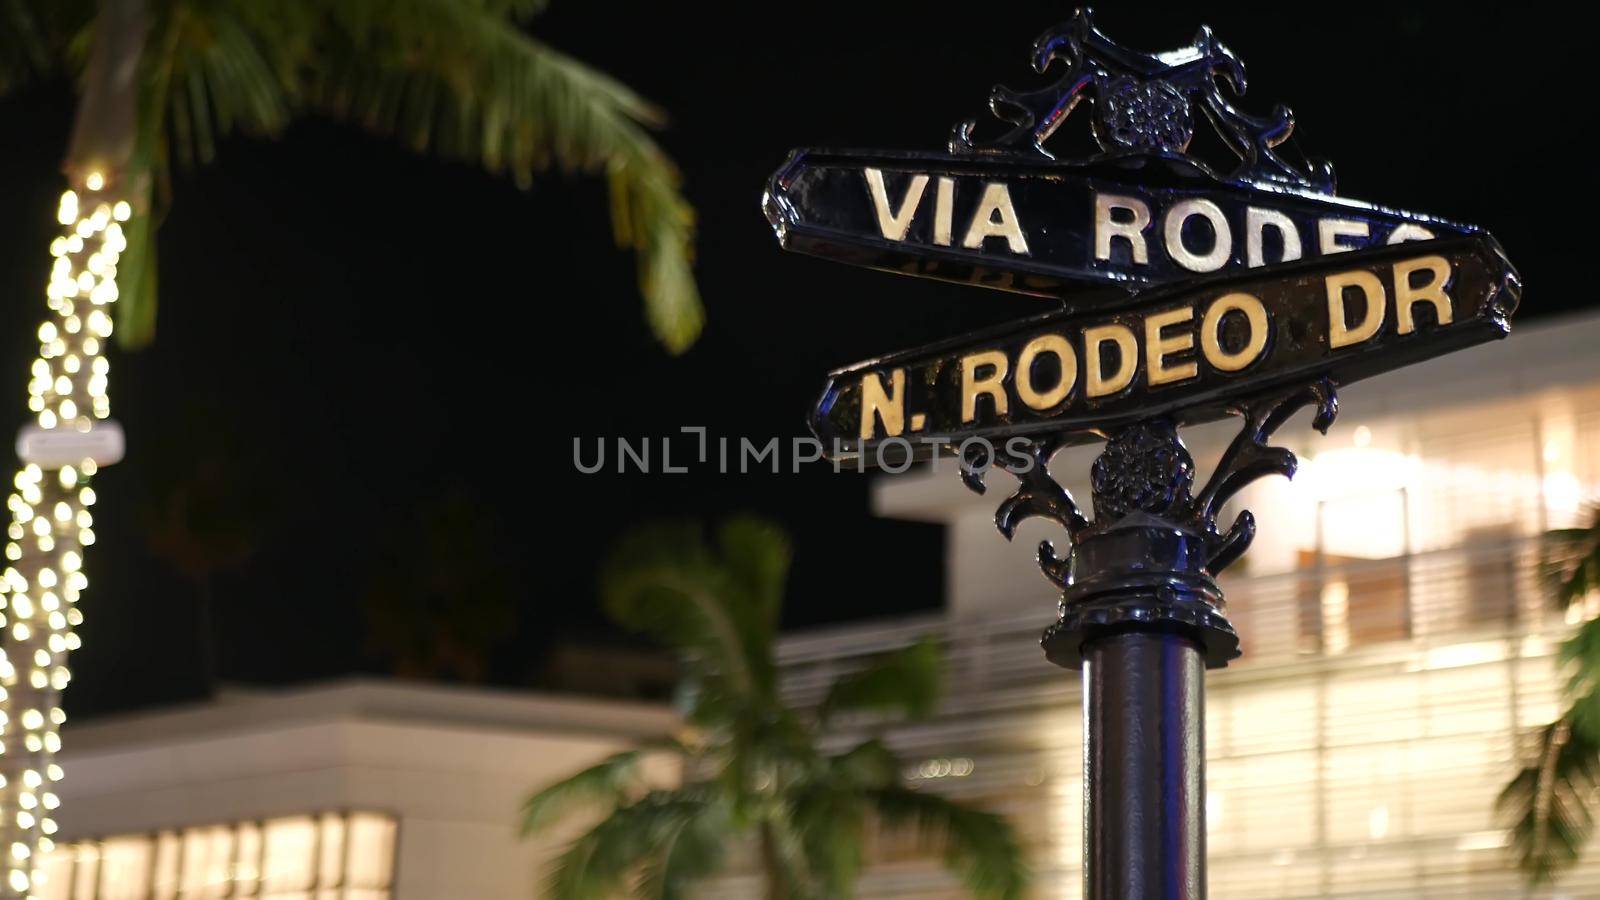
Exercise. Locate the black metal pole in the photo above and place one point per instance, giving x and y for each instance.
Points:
(1143, 618)
(1144, 767)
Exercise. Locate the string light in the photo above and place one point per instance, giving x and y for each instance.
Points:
(51, 524)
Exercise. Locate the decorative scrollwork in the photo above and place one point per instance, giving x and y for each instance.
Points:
(1037, 496)
(1143, 102)
(1249, 457)
(1145, 470)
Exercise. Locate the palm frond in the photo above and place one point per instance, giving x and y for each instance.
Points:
(1584, 575)
(978, 845)
(518, 10)
(37, 38)
(1548, 806)
(207, 70)
(757, 554)
(665, 581)
(463, 80)
(23, 49)
(694, 849)
(601, 863)
(605, 784)
(755, 767)
(229, 65)
(830, 821)
(785, 862)
(869, 764)
(136, 271)
(905, 682)
(1570, 562)
(1579, 654)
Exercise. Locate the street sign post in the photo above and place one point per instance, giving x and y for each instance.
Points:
(1184, 294)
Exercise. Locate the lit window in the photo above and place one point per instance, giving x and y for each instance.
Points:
(328, 856)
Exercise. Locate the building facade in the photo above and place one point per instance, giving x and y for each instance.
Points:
(1398, 656)
(358, 790)
(1397, 645)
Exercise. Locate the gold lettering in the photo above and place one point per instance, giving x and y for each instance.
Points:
(1027, 390)
(1157, 348)
(1340, 334)
(1255, 314)
(877, 404)
(1095, 381)
(995, 218)
(895, 225)
(972, 386)
(1433, 292)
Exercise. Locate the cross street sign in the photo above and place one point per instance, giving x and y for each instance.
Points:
(1187, 292)
(1190, 350)
(1046, 228)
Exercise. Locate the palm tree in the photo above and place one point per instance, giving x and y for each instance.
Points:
(444, 590)
(1549, 805)
(207, 499)
(160, 82)
(753, 769)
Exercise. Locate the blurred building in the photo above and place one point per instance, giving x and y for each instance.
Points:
(1397, 658)
(357, 790)
(1397, 649)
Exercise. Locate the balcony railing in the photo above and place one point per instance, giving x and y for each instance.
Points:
(1355, 750)
(1329, 612)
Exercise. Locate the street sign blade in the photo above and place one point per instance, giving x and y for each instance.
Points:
(1044, 227)
(1189, 351)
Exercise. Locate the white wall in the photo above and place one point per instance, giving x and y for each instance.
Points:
(455, 785)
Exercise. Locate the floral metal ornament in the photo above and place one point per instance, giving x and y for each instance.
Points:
(1143, 102)
(1143, 209)
(1153, 548)
(1144, 468)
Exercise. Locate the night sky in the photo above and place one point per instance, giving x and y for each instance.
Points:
(357, 330)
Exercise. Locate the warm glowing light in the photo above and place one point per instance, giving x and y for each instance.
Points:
(1378, 823)
(1563, 493)
(1353, 471)
(1455, 656)
(50, 522)
(1336, 616)
(1482, 840)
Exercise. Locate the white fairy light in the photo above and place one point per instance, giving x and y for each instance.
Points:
(50, 522)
